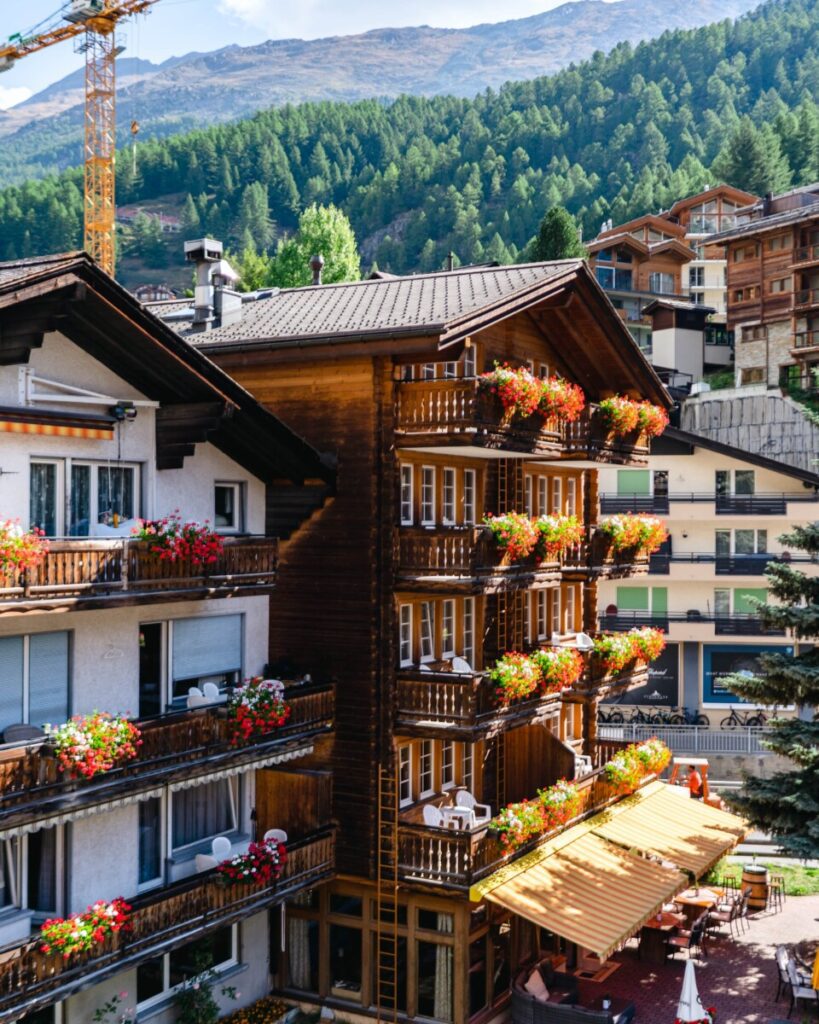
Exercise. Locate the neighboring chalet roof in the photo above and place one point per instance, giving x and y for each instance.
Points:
(198, 401)
(765, 224)
(673, 246)
(689, 439)
(449, 306)
(654, 220)
(688, 307)
(733, 195)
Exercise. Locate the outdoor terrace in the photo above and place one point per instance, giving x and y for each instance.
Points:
(184, 743)
(90, 573)
(442, 413)
(694, 565)
(160, 920)
(726, 624)
(765, 504)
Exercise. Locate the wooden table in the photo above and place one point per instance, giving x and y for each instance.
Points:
(654, 936)
(694, 902)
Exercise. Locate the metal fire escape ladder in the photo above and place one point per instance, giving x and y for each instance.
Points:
(386, 968)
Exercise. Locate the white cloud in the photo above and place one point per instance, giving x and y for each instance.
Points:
(314, 18)
(11, 97)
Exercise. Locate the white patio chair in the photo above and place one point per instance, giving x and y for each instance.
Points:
(221, 848)
(800, 988)
(462, 666)
(434, 819)
(196, 699)
(277, 835)
(555, 641)
(584, 642)
(482, 812)
(211, 691)
(204, 862)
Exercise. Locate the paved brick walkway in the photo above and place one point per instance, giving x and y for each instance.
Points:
(737, 976)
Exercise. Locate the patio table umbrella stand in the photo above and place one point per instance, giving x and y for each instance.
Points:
(690, 1009)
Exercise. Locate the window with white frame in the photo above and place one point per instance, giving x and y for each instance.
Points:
(527, 494)
(201, 813)
(447, 764)
(450, 370)
(540, 617)
(73, 498)
(405, 775)
(407, 495)
(228, 507)
(554, 610)
(571, 497)
(469, 362)
(448, 629)
(469, 497)
(557, 496)
(159, 978)
(543, 371)
(469, 630)
(468, 765)
(207, 649)
(428, 371)
(405, 634)
(426, 769)
(32, 872)
(448, 496)
(542, 495)
(151, 843)
(427, 631)
(428, 495)
(35, 673)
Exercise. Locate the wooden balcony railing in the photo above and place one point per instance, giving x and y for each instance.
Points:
(461, 705)
(458, 411)
(88, 572)
(183, 742)
(457, 860)
(470, 554)
(160, 920)
(597, 680)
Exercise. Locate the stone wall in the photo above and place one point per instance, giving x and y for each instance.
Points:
(756, 420)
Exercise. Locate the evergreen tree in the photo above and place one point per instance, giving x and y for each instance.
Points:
(752, 159)
(324, 231)
(557, 239)
(190, 218)
(787, 805)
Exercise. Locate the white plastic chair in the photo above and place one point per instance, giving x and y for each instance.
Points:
(482, 812)
(584, 642)
(800, 988)
(423, 667)
(278, 835)
(196, 699)
(204, 862)
(211, 691)
(555, 641)
(434, 819)
(221, 848)
(462, 666)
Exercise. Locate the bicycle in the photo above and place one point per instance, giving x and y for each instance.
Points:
(610, 717)
(739, 720)
(640, 717)
(686, 717)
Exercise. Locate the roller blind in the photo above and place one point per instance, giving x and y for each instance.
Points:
(207, 646)
(11, 681)
(48, 678)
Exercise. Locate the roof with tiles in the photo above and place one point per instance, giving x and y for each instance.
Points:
(422, 303)
(20, 270)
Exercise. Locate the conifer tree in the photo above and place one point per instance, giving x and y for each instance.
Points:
(787, 805)
(752, 159)
(557, 239)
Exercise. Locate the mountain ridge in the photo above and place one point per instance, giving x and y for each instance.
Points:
(43, 134)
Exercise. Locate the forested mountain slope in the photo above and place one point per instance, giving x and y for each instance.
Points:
(199, 89)
(615, 136)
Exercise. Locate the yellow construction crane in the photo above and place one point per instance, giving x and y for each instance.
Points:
(96, 22)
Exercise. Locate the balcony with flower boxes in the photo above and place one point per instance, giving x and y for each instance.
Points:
(458, 859)
(180, 744)
(91, 573)
(31, 979)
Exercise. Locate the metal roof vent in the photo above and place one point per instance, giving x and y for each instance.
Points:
(317, 265)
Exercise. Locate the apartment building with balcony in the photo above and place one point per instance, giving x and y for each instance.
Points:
(108, 418)
(773, 289)
(725, 510)
(399, 589)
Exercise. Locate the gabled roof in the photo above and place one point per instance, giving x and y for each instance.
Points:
(198, 401)
(654, 220)
(687, 307)
(623, 239)
(763, 225)
(448, 307)
(733, 195)
(672, 247)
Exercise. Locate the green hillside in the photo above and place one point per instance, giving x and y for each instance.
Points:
(614, 136)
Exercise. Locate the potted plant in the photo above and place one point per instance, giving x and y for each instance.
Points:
(514, 676)
(518, 390)
(555, 534)
(517, 823)
(256, 709)
(622, 416)
(514, 532)
(633, 532)
(560, 399)
(90, 745)
(173, 540)
(262, 864)
(559, 668)
(560, 802)
(82, 932)
(20, 550)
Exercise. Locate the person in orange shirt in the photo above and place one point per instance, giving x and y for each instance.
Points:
(694, 783)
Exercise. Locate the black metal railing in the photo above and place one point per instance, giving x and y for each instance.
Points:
(724, 565)
(725, 624)
(761, 503)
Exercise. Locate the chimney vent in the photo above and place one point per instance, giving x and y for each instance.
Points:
(317, 265)
(204, 253)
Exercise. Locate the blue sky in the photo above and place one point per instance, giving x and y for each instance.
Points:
(179, 26)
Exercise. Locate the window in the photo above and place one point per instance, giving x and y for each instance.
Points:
(345, 961)
(450, 370)
(468, 766)
(150, 842)
(428, 371)
(662, 283)
(554, 610)
(722, 602)
(201, 813)
(405, 775)
(447, 764)
(31, 872)
(207, 649)
(557, 496)
(405, 634)
(543, 371)
(428, 495)
(435, 988)
(448, 497)
(744, 481)
(752, 375)
(746, 542)
(781, 284)
(469, 497)
(779, 242)
(756, 332)
(427, 631)
(469, 630)
(35, 679)
(227, 502)
(45, 506)
(406, 496)
(426, 769)
(99, 494)
(10, 895)
(540, 618)
(746, 294)
(448, 629)
(542, 495)
(696, 277)
(571, 497)
(527, 494)
(157, 979)
(469, 361)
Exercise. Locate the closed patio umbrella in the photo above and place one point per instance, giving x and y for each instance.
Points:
(815, 978)
(690, 1008)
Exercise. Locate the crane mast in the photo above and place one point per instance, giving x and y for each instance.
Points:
(97, 21)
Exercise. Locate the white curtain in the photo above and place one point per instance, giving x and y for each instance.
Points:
(443, 972)
(298, 952)
(202, 812)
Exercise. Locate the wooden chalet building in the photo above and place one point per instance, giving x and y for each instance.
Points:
(108, 416)
(396, 591)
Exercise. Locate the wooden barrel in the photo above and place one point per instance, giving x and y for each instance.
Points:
(756, 878)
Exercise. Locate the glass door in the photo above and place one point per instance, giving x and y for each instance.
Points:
(45, 489)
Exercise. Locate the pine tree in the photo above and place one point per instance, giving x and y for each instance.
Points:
(557, 238)
(752, 159)
(787, 804)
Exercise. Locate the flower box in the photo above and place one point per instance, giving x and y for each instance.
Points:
(20, 550)
(627, 769)
(630, 532)
(171, 539)
(517, 676)
(624, 416)
(616, 651)
(515, 533)
(90, 745)
(262, 864)
(256, 709)
(83, 932)
(522, 394)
